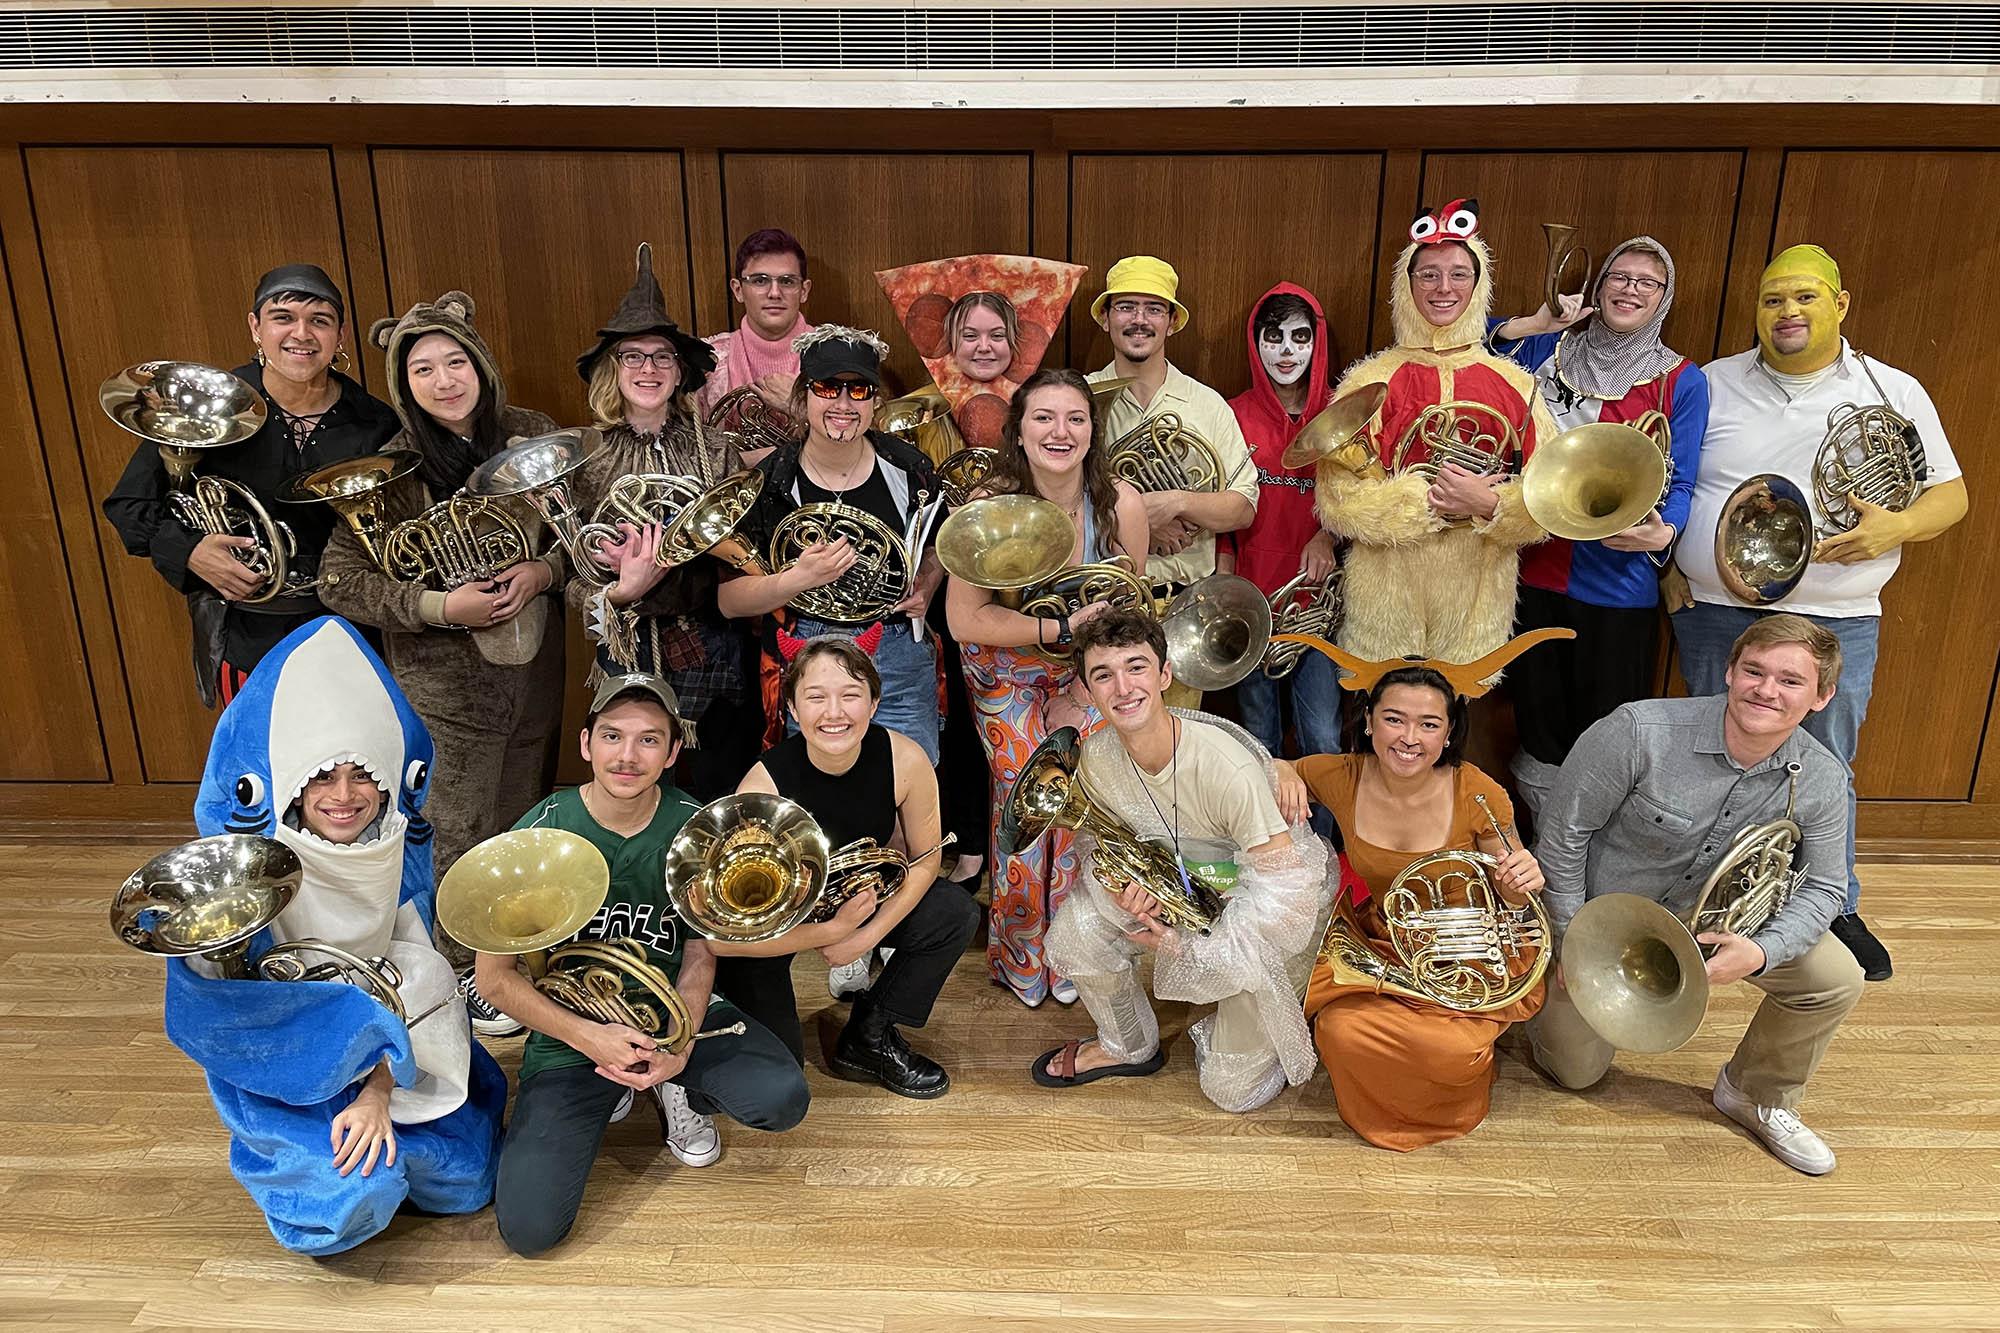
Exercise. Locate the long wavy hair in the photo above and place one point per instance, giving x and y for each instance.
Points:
(1012, 475)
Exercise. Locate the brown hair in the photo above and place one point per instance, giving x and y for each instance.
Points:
(1011, 475)
(1120, 627)
(954, 320)
(1785, 627)
(769, 241)
(853, 659)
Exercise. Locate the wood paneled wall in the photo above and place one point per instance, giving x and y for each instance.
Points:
(116, 248)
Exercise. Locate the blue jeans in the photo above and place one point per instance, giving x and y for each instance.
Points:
(1315, 698)
(909, 679)
(1706, 632)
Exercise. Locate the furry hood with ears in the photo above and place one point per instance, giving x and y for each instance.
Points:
(1410, 326)
(450, 314)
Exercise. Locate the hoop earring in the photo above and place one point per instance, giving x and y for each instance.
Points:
(260, 354)
(341, 360)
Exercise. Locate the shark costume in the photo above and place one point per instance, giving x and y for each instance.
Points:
(284, 1058)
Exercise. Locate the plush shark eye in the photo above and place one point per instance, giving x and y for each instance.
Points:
(415, 775)
(249, 791)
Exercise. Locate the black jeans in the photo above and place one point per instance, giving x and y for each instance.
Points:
(1561, 688)
(928, 944)
(560, 1116)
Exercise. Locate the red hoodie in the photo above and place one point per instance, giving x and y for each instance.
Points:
(1267, 552)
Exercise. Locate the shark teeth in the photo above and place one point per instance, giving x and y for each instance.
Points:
(368, 766)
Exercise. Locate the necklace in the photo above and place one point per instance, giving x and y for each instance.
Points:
(1172, 826)
(583, 793)
(848, 476)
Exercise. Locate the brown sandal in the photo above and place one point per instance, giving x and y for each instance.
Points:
(1065, 1054)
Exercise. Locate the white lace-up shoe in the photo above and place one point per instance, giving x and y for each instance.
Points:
(486, 1020)
(691, 1136)
(624, 1107)
(848, 979)
(1776, 1128)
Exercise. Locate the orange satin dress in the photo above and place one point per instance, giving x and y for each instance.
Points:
(1405, 1072)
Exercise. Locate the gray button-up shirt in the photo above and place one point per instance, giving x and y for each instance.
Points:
(1650, 799)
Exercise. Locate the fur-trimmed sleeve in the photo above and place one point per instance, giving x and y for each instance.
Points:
(1393, 512)
(1511, 524)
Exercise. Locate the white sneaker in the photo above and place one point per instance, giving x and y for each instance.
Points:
(624, 1107)
(848, 979)
(486, 1020)
(1776, 1128)
(691, 1136)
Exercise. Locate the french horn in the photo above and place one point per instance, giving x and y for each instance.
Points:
(643, 499)
(357, 489)
(1456, 941)
(866, 866)
(209, 899)
(1006, 544)
(1635, 970)
(1217, 630)
(884, 573)
(185, 409)
(1763, 539)
(961, 473)
(1164, 453)
(1470, 434)
(1560, 253)
(1300, 606)
(1051, 792)
(528, 891)
(904, 417)
(1339, 433)
(1074, 587)
(460, 540)
(1871, 453)
(756, 424)
(1594, 481)
(537, 469)
(747, 867)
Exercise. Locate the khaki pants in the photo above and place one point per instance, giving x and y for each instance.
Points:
(1804, 1001)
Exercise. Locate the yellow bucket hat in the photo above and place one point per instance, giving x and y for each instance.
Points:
(1142, 275)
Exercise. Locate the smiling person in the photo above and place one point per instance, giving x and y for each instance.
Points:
(316, 415)
(1601, 359)
(1048, 450)
(1769, 414)
(1204, 789)
(1435, 551)
(843, 462)
(1290, 383)
(858, 779)
(769, 281)
(1649, 802)
(643, 375)
(492, 696)
(1407, 1072)
(1140, 310)
(580, 1076)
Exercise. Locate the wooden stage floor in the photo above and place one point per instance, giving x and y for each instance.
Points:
(1126, 1205)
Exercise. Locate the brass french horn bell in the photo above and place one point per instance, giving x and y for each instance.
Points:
(747, 867)
(1006, 543)
(1593, 481)
(1217, 630)
(537, 469)
(356, 489)
(522, 892)
(208, 897)
(1764, 539)
(903, 417)
(1339, 431)
(707, 525)
(1561, 252)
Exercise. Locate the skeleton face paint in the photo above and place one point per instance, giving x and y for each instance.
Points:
(1286, 351)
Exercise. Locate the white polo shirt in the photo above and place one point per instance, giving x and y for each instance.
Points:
(1753, 427)
(1207, 413)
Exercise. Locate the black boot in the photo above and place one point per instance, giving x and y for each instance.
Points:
(870, 1050)
(1852, 931)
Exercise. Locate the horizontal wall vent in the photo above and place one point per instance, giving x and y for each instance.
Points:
(1142, 37)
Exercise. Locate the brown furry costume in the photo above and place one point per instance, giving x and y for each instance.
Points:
(495, 725)
(1416, 587)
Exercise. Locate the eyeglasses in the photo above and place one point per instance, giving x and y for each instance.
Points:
(859, 390)
(632, 360)
(762, 281)
(1637, 283)
(1150, 309)
(1431, 277)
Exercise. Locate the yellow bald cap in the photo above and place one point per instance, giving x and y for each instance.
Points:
(1807, 261)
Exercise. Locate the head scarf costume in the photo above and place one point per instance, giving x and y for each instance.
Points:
(1414, 585)
(923, 295)
(1602, 364)
(284, 1058)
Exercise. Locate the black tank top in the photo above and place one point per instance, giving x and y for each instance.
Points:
(860, 803)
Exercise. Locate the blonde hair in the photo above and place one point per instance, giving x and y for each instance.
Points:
(607, 404)
(1010, 323)
(1783, 628)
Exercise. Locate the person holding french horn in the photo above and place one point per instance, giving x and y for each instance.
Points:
(1599, 360)
(857, 780)
(580, 1074)
(1714, 825)
(1820, 464)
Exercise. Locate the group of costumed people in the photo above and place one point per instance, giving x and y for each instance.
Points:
(386, 746)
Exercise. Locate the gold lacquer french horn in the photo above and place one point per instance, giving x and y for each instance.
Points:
(460, 540)
(1164, 453)
(527, 891)
(357, 489)
(756, 424)
(1595, 480)
(747, 867)
(884, 573)
(1300, 606)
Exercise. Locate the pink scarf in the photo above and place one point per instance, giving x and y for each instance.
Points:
(751, 357)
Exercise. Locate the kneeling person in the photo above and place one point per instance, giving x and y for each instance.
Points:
(578, 1076)
(1649, 801)
(858, 779)
(1204, 789)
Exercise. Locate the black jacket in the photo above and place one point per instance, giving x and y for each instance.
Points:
(356, 424)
